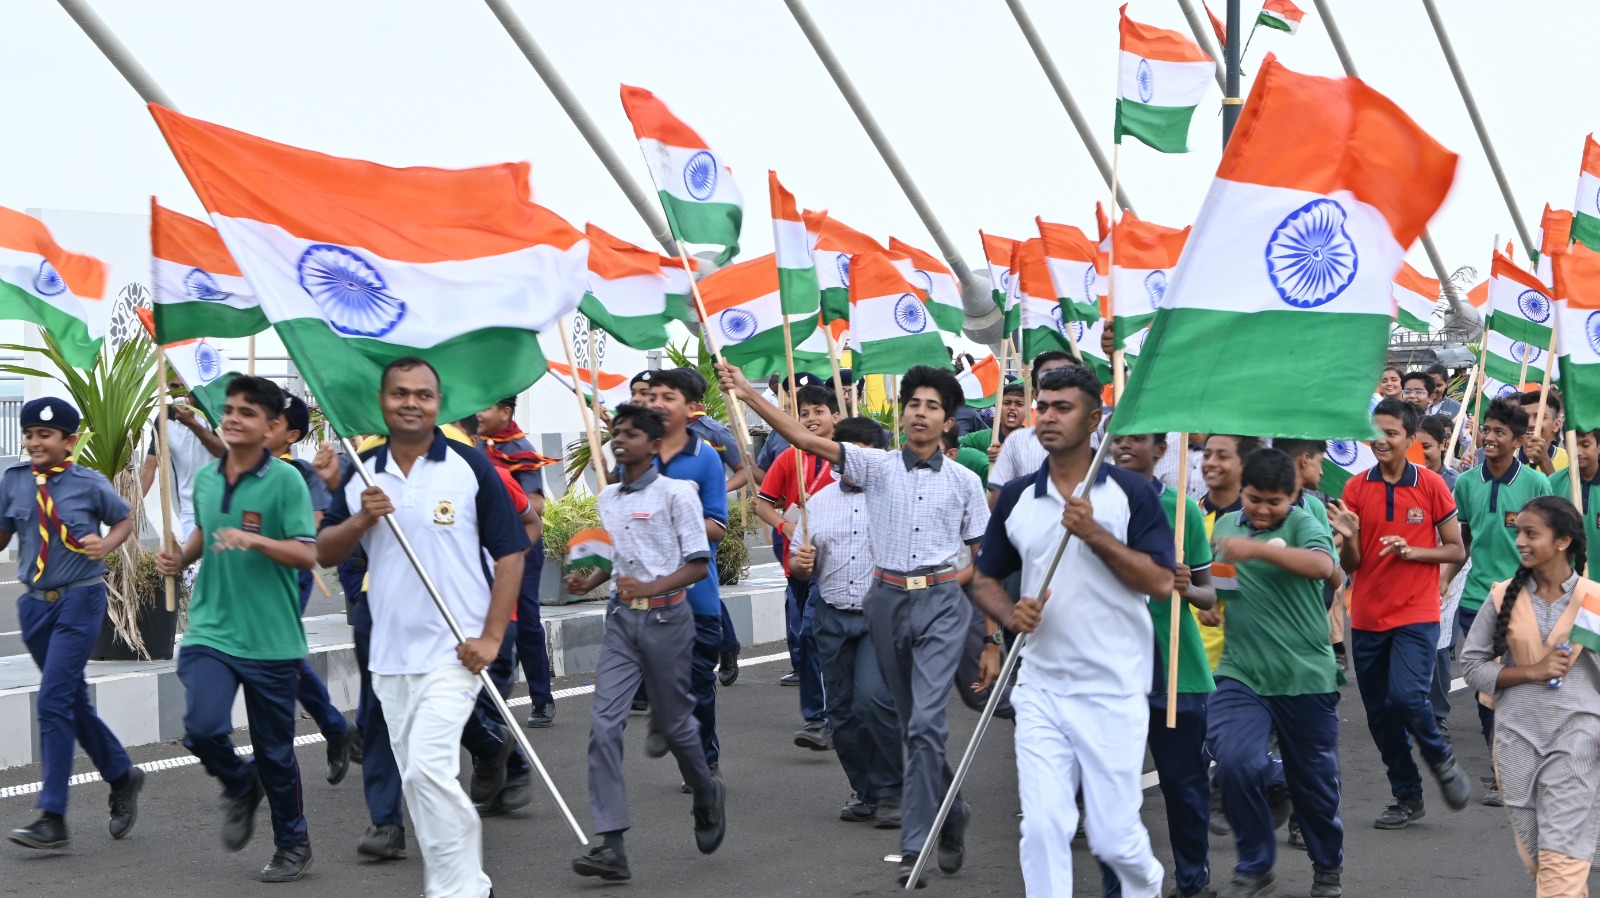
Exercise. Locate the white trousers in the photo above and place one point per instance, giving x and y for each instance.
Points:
(1096, 741)
(426, 713)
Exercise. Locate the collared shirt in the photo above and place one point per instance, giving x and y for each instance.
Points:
(656, 525)
(701, 468)
(84, 500)
(1446, 406)
(1020, 456)
(244, 603)
(188, 456)
(839, 526)
(719, 437)
(1101, 641)
(531, 482)
(1389, 591)
(780, 486)
(1561, 485)
(1489, 507)
(320, 500)
(922, 511)
(1194, 669)
(453, 508)
(1223, 580)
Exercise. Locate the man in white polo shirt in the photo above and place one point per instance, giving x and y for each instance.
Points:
(1081, 698)
(453, 509)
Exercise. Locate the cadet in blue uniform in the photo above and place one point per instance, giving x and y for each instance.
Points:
(57, 508)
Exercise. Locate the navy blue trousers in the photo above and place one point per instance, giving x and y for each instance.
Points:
(380, 774)
(532, 651)
(1394, 669)
(800, 608)
(485, 732)
(1181, 762)
(313, 693)
(211, 679)
(703, 681)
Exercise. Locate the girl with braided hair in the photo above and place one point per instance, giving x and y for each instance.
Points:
(1547, 698)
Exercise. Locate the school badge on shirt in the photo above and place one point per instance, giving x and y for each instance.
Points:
(250, 521)
(444, 514)
(1414, 516)
(1511, 519)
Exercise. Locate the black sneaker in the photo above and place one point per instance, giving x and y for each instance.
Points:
(1325, 882)
(517, 793)
(339, 757)
(1278, 802)
(655, 744)
(1454, 784)
(542, 716)
(239, 817)
(857, 810)
(124, 804)
(710, 818)
(287, 865)
(888, 816)
(384, 843)
(489, 775)
(1219, 825)
(48, 833)
(791, 678)
(728, 667)
(1400, 813)
(639, 706)
(357, 755)
(1246, 886)
(815, 735)
(953, 838)
(1297, 840)
(604, 863)
(908, 862)
(716, 773)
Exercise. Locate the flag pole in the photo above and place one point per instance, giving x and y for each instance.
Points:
(1231, 101)
(1203, 39)
(164, 472)
(115, 53)
(1118, 363)
(891, 387)
(455, 630)
(594, 378)
(1179, 515)
(1544, 397)
(1007, 667)
(794, 411)
(589, 425)
(1474, 374)
(999, 399)
(838, 373)
(251, 370)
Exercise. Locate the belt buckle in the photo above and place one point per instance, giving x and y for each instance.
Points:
(639, 604)
(51, 595)
(916, 583)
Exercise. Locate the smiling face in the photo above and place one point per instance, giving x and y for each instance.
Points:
(1415, 390)
(47, 447)
(1137, 452)
(1265, 509)
(494, 419)
(1389, 384)
(245, 425)
(1432, 450)
(1221, 465)
(819, 419)
(1537, 542)
(1588, 454)
(1499, 443)
(410, 401)
(1392, 442)
(672, 406)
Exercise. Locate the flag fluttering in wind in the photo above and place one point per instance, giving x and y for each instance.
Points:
(614, 388)
(1343, 460)
(1281, 15)
(51, 287)
(744, 317)
(933, 277)
(697, 191)
(1555, 235)
(1292, 247)
(980, 381)
(1143, 259)
(890, 322)
(1044, 320)
(1586, 208)
(1000, 252)
(834, 244)
(357, 264)
(1521, 315)
(797, 270)
(198, 290)
(1415, 297)
(590, 550)
(627, 291)
(202, 367)
(1577, 286)
(1217, 26)
(1071, 260)
(1161, 77)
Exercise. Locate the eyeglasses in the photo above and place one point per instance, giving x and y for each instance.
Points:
(1413, 392)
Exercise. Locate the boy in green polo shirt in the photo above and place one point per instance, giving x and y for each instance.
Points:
(1277, 674)
(1588, 470)
(253, 534)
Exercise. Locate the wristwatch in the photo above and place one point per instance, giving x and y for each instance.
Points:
(998, 637)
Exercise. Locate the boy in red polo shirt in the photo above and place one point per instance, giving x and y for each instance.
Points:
(1399, 525)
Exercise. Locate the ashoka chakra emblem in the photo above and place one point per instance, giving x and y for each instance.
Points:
(1077, 330)
(842, 263)
(1155, 284)
(700, 175)
(922, 281)
(1535, 306)
(1591, 329)
(1523, 352)
(208, 360)
(47, 281)
(1310, 257)
(1504, 391)
(199, 284)
(910, 314)
(1342, 452)
(737, 325)
(1146, 80)
(353, 295)
(1088, 284)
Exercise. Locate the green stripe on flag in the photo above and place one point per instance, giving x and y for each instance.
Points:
(835, 303)
(637, 331)
(762, 355)
(1269, 21)
(900, 354)
(71, 334)
(714, 223)
(798, 292)
(1580, 390)
(1521, 329)
(1164, 128)
(1508, 370)
(1130, 326)
(209, 396)
(1410, 322)
(176, 321)
(1586, 230)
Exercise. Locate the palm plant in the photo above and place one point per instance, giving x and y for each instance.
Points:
(116, 398)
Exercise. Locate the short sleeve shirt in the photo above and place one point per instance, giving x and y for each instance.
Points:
(1389, 591)
(700, 466)
(656, 526)
(1488, 506)
(1276, 626)
(84, 500)
(780, 488)
(923, 511)
(531, 480)
(1194, 670)
(244, 603)
(839, 527)
(719, 437)
(1020, 455)
(1561, 485)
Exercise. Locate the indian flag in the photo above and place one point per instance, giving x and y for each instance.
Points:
(889, 321)
(1505, 357)
(197, 288)
(1291, 254)
(1280, 14)
(202, 367)
(1586, 208)
(680, 286)
(1144, 255)
(980, 382)
(1044, 321)
(589, 550)
(357, 264)
(999, 252)
(614, 389)
(1070, 257)
(1520, 306)
(1555, 235)
(627, 291)
(1577, 277)
(1161, 77)
(49, 286)
(797, 270)
(744, 318)
(697, 192)
(1586, 626)
(934, 278)
(1343, 460)
(1415, 297)
(834, 244)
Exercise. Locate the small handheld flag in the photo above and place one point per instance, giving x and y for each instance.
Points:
(589, 550)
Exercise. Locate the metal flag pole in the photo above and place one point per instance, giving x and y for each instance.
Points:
(983, 320)
(455, 630)
(115, 53)
(1202, 38)
(1231, 101)
(1007, 667)
(644, 204)
(1059, 85)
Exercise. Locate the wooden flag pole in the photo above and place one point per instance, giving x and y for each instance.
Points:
(251, 370)
(794, 412)
(838, 373)
(594, 379)
(164, 472)
(589, 425)
(1544, 401)
(1177, 600)
(999, 398)
(1119, 371)
(891, 386)
(1474, 374)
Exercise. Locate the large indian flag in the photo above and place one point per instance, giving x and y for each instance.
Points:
(357, 264)
(934, 278)
(1044, 321)
(999, 252)
(797, 270)
(1577, 277)
(1281, 15)
(1586, 208)
(980, 382)
(1161, 77)
(890, 322)
(49, 286)
(627, 291)
(1505, 357)
(198, 290)
(835, 242)
(1324, 186)
(1143, 257)
(744, 320)
(1415, 297)
(1070, 257)
(1520, 306)
(697, 192)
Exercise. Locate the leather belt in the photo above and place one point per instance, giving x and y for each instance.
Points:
(54, 595)
(648, 602)
(912, 582)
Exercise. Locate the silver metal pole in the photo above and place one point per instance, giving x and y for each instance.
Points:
(983, 317)
(1007, 667)
(455, 629)
(116, 53)
(1202, 36)
(1478, 125)
(647, 206)
(1232, 103)
(1059, 84)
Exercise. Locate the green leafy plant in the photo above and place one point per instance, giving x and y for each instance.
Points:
(733, 555)
(575, 510)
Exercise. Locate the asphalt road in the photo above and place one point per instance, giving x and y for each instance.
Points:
(785, 837)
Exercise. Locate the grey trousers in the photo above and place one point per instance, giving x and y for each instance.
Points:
(967, 670)
(866, 732)
(655, 646)
(918, 637)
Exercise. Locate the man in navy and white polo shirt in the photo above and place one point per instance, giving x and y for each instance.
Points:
(453, 508)
(1081, 698)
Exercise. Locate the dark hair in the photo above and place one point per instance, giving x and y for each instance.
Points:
(1271, 470)
(951, 439)
(678, 379)
(1399, 409)
(1049, 355)
(1509, 413)
(1245, 445)
(1425, 377)
(1436, 426)
(817, 396)
(941, 381)
(406, 363)
(1591, 434)
(646, 419)
(1560, 516)
(1296, 448)
(509, 403)
(1553, 401)
(469, 425)
(1395, 369)
(1072, 377)
(1440, 373)
(1013, 388)
(259, 391)
(860, 429)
